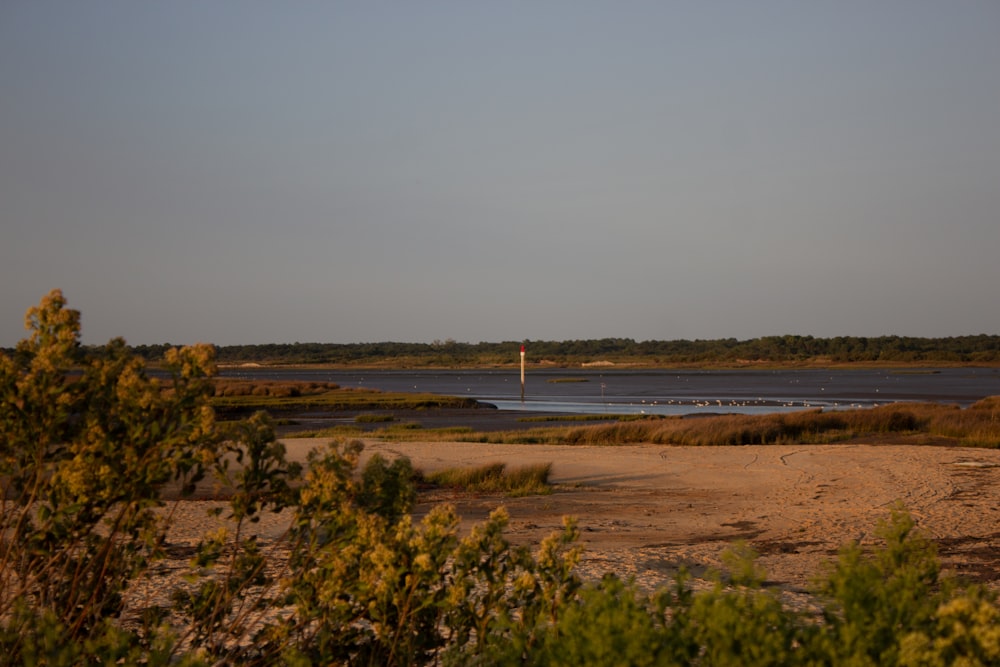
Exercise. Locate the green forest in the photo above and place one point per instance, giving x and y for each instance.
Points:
(725, 352)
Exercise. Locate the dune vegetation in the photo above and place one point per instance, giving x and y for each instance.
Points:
(90, 445)
(495, 478)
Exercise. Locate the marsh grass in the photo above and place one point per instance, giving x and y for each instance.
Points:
(252, 395)
(914, 423)
(496, 478)
(369, 418)
(224, 387)
(452, 430)
(974, 426)
(404, 426)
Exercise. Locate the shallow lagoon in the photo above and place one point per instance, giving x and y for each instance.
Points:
(668, 392)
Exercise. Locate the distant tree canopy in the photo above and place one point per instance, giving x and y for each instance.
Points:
(980, 349)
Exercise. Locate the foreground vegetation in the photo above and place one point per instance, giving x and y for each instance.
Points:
(727, 352)
(86, 459)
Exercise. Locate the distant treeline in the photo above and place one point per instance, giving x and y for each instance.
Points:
(981, 349)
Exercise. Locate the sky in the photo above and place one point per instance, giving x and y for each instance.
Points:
(340, 172)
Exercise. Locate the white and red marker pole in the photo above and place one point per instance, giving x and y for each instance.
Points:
(522, 373)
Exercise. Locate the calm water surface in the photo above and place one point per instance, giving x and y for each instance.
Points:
(668, 392)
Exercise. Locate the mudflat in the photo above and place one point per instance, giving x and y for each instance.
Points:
(645, 511)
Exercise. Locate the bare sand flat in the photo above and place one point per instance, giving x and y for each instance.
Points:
(646, 510)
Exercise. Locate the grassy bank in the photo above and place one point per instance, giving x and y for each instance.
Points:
(248, 396)
(902, 423)
(913, 423)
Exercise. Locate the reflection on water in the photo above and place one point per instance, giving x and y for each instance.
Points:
(668, 392)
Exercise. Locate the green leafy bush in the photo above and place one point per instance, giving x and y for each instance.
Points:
(874, 602)
(87, 444)
(371, 418)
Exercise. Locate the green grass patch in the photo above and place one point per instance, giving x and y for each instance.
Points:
(328, 397)
(496, 478)
(230, 387)
(562, 380)
(410, 431)
(451, 430)
(401, 432)
(339, 431)
(404, 426)
(369, 418)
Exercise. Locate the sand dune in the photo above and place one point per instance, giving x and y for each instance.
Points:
(646, 510)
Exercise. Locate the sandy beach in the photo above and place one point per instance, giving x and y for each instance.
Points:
(646, 510)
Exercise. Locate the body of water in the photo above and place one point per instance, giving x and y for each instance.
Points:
(668, 392)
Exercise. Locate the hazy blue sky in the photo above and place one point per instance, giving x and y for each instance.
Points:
(244, 172)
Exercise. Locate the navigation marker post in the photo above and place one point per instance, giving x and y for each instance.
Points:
(522, 373)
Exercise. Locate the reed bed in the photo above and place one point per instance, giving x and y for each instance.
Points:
(916, 423)
(974, 426)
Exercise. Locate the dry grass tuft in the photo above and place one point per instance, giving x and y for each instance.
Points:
(496, 478)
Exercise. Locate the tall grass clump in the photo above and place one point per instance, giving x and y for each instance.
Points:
(714, 430)
(496, 478)
(976, 426)
(373, 418)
